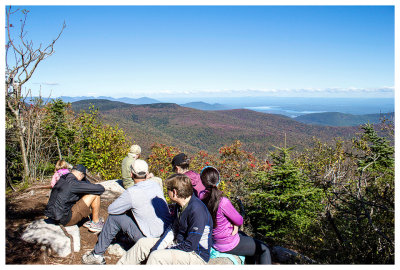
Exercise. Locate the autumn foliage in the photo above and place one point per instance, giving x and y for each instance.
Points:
(333, 202)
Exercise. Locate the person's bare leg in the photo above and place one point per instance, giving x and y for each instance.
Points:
(93, 201)
(96, 209)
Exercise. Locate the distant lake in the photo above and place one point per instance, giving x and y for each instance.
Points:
(278, 110)
(293, 107)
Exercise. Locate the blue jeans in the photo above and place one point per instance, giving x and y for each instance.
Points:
(113, 225)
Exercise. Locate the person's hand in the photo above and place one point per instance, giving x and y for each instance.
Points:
(235, 230)
(150, 175)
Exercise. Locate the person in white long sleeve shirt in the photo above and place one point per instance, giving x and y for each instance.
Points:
(140, 211)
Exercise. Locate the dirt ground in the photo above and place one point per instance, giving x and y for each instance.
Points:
(25, 207)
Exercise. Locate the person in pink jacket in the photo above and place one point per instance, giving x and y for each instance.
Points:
(180, 164)
(226, 219)
(61, 169)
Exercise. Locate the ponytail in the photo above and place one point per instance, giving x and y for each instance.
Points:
(210, 178)
(212, 200)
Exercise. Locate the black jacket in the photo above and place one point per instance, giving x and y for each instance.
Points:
(65, 193)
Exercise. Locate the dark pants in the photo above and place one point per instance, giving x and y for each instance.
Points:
(113, 225)
(253, 248)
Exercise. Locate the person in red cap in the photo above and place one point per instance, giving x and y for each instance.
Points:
(73, 198)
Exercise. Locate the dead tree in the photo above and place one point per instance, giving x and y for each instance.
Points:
(22, 59)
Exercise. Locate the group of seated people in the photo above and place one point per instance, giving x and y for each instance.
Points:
(201, 219)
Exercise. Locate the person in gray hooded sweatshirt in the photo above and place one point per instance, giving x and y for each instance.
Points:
(140, 211)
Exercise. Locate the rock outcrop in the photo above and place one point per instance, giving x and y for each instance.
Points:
(45, 232)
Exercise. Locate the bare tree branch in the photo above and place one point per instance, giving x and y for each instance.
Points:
(26, 60)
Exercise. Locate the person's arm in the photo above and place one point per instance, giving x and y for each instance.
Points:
(235, 230)
(230, 212)
(122, 204)
(84, 187)
(54, 179)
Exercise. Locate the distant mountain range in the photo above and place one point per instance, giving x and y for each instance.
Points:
(145, 100)
(192, 130)
(142, 100)
(341, 119)
(205, 106)
(324, 119)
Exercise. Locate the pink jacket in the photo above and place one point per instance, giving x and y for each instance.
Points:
(227, 216)
(196, 182)
(57, 175)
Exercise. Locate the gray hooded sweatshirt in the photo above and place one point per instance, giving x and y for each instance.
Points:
(148, 205)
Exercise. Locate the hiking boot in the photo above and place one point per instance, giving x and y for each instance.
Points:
(96, 226)
(90, 258)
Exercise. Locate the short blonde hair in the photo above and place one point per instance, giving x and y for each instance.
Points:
(61, 164)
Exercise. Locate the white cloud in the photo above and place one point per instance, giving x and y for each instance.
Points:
(47, 83)
(333, 90)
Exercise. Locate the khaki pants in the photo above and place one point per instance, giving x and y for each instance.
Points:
(141, 250)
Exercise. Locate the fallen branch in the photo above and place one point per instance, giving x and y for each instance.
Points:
(38, 187)
(72, 242)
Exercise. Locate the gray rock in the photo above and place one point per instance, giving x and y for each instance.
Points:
(286, 256)
(113, 188)
(116, 249)
(45, 232)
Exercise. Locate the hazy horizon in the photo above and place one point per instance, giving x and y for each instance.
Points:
(289, 106)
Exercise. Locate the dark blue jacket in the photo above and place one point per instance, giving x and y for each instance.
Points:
(192, 231)
(65, 193)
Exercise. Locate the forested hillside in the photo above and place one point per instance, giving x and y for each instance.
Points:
(342, 119)
(194, 130)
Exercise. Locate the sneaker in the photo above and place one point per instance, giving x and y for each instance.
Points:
(90, 258)
(87, 224)
(96, 226)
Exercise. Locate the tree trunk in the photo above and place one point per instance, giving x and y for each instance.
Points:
(24, 154)
(58, 148)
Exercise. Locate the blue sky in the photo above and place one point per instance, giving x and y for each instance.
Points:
(195, 51)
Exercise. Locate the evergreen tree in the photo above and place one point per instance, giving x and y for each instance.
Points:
(59, 121)
(283, 203)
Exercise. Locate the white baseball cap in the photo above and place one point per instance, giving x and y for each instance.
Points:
(140, 167)
(135, 149)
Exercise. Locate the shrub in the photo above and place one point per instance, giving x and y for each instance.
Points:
(357, 225)
(101, 148)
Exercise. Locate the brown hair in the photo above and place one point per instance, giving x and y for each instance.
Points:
(181, 183)
(61, 164)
